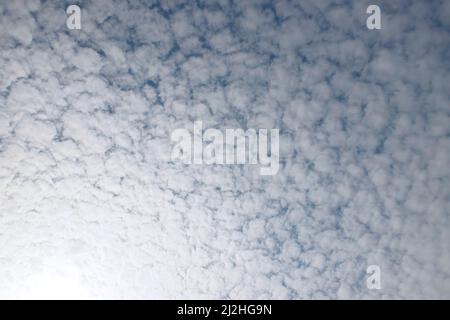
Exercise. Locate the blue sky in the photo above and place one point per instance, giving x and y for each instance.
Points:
(89, 196)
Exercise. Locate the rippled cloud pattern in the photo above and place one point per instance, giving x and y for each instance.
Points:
(90, 199)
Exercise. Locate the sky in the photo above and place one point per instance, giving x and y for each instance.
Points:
(92, 206)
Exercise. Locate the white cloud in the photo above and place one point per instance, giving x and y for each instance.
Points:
(89, 196)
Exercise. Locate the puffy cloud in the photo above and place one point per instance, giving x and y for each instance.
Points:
(89, 196)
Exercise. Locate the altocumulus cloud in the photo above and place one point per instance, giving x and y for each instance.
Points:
(90, 200)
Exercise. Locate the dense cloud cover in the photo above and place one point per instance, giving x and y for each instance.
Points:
(90, 199)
